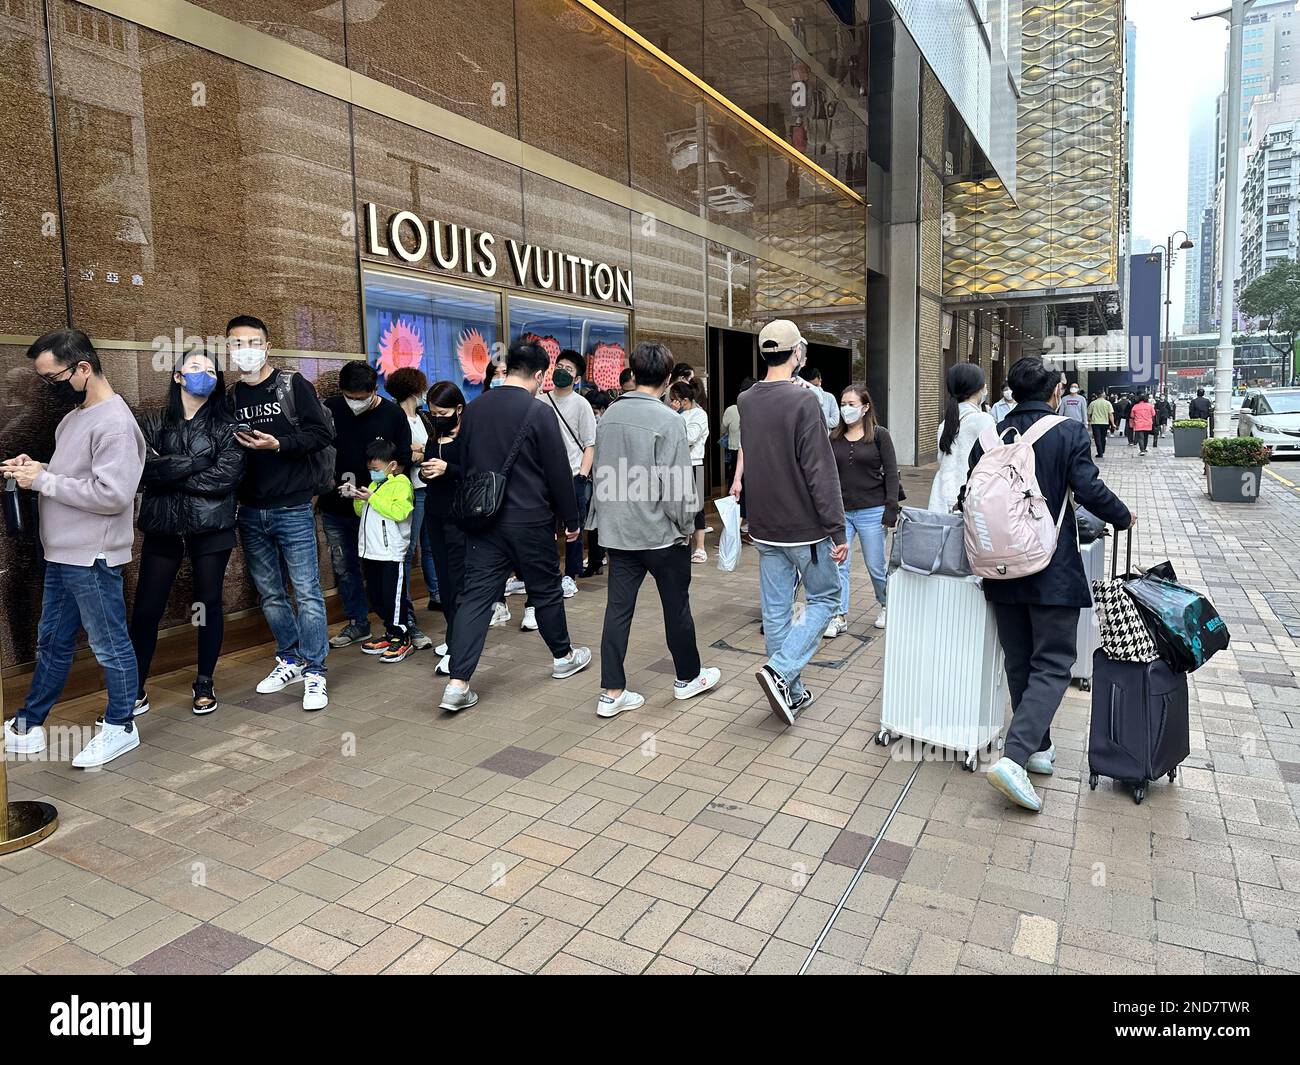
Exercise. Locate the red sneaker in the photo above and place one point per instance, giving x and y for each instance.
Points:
(376, 646)
(397, 650)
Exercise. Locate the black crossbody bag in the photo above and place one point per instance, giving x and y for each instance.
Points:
(482, 492)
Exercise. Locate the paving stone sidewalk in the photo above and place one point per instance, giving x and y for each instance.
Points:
(530, 836)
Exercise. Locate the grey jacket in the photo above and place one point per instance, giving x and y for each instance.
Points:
(643, 486)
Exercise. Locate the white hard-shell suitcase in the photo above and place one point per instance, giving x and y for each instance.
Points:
(1089, 635)
(944, 678)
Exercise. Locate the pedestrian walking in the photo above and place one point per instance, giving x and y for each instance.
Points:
(1038, 615)
(682, 398)
(1075, 405)
(192, 470)
(1004, 406)
(87, 493)
(577, 424)
(283, 424)
(830, 409)
(1101, 419)
(1141, 419)
(646, 532)
(868, 472)
(796, 515)
(441, 472)
(505, 430)
(963, 421)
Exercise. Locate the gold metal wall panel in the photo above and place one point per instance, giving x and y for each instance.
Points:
(1065, 231)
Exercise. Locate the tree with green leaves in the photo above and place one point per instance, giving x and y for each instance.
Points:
(1273, 300)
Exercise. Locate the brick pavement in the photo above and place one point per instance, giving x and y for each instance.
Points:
(529, 836)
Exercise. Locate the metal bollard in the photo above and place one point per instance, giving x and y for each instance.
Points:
(22, 823)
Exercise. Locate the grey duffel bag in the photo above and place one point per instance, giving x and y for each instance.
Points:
(929, 543)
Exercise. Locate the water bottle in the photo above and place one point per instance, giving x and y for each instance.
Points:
(15, 516)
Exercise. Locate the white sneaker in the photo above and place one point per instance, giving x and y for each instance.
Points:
(457, 700)
(443, 668)
(837, 625)
(30, 742)
(570, 587)
(578, 659)
(529, 622)
(500, 615)
(1042, 761)
(284, 674)
(612, 707)
(514, 586)
(315, 695)
(441, 649)
(707, 679)
(879, 623)
(109, 742)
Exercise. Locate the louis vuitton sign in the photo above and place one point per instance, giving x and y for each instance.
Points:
(476, 253)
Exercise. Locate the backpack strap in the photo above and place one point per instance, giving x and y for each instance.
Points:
(518, 442)
(1040, 429)
(989, 438)
(284, 390)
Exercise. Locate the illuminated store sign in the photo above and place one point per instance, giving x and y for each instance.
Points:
(412, 239)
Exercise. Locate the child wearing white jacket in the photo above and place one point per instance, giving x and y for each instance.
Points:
(383, 539)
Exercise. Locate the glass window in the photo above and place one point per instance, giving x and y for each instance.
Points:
(600, 335)
(448, 332)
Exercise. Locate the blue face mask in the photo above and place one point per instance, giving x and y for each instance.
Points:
(378, 475)
(496, 382)
(199, 382)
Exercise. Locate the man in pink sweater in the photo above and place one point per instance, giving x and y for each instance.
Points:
(87, 491)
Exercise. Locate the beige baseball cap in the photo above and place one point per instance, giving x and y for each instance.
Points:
(779, 335)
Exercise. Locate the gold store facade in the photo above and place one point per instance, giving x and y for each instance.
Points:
(170, 164)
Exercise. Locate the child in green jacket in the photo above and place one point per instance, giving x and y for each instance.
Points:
(383, 538)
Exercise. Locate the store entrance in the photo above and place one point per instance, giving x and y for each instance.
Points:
(835, 364)
(733, 356)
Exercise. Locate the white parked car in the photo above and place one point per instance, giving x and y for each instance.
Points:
(1273, 415)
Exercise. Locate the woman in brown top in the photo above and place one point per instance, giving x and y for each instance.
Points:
(868, 468)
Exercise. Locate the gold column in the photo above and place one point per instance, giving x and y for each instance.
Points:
(21, 823)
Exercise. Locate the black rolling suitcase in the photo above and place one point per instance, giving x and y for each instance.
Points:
(1139, 730)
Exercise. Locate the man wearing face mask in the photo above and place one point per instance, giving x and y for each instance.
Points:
(1074, 405)
(1005, 405)
(361, 415)
(87, 491)
(538, 491)
(577, 424)
(281, 422)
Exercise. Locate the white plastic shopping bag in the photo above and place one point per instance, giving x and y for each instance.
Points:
(729, 544)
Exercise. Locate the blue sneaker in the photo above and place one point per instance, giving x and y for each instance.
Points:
(1013, 782)
(1042, 761)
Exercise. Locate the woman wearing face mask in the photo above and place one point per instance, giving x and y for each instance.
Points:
(193, 466)
(682, 396)
(963, 421)
(440, 471)
(868, 468)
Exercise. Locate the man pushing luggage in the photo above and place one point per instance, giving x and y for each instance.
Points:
(1037, 586)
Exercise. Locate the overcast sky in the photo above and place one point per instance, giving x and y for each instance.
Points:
(1179, 71)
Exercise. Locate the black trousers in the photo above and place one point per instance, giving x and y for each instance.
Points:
(1143, 436)
(1040, 644)
(157, 574)
(490, 557)
(671, 569)
(385, 587)
(1099, 438)
(447, 543)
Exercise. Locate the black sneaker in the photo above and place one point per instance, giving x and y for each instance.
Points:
(205, 696)
(777, 692)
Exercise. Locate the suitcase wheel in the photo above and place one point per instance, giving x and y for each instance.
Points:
(883, 737)
(971, 762)
(1092, 781)
(1085, 685)
(1140, 793)
(1173, 774)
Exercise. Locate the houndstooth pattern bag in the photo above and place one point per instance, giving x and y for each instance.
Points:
(1124, 635)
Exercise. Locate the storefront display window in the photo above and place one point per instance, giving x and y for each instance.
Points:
(448, 332)
(600, 335)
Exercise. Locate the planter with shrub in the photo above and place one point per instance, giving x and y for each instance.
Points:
(1234, 467)
(1189, 434)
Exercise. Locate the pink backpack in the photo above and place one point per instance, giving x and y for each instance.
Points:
(1009, 532)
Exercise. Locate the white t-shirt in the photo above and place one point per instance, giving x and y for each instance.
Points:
(580, 418)
(419, 438)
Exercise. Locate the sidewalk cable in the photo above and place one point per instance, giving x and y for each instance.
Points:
(844, 898)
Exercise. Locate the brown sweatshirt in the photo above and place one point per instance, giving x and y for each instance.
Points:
(792, 488)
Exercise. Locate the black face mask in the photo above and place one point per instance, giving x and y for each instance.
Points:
(443, 424)
(66, 392)
(562, 378)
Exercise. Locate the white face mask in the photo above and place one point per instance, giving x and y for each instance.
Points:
(852, 415)
(1006, 394)
(360, 406)
(1074, 390)
(249, 360)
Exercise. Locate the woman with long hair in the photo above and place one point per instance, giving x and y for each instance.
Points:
(683, 397)
(193, 466)
(963, 421)
(868, 468)
(441, 473)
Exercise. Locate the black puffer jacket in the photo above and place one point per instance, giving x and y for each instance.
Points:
(192, 470)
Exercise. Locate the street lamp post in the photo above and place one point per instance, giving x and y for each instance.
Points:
(1235, 15)
(1168, 248)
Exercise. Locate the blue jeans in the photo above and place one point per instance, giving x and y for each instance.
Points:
(419, 543)
(341, 539)
(865, 525)
(280, 546)
(77, 597)
(792, 635)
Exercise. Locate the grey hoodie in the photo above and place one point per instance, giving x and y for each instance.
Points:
(643, 486)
